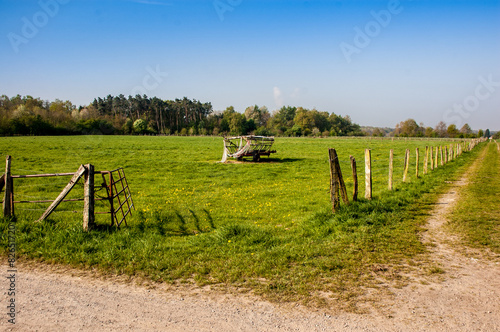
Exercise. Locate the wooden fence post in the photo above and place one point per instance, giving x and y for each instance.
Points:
(8, 198)
(355, 179)
(426, 160)
(446, 154)
(441, 154)
(407, 165)
(89, 199)
(391, 168)
(436, 158)
(368, 174)
(334, 182)
(417, 158)
(432, 157)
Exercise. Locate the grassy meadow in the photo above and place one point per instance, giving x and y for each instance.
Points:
(262, 227)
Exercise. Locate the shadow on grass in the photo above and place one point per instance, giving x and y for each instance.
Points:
(106, 228)
(264, 160)
(175, 223)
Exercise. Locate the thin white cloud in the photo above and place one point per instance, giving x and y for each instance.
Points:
(278, 97)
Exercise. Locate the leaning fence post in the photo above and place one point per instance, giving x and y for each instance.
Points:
(407, 165)
(368, 174)
(355, 179)
(391, 168)
(334, 182)
(342, 187)
(89, 199)
(8, 199)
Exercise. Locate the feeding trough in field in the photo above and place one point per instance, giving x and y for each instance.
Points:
(247, 146)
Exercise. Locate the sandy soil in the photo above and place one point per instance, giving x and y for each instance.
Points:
(466, 297)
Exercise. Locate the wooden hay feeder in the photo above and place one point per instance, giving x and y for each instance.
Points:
(247, 146)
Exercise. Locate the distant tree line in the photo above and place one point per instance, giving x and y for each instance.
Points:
(410, 128)
(25, 115)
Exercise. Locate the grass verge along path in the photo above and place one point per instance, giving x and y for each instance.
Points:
(477, 216)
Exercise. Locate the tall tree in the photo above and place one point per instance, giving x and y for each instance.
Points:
(408, 128)
(441, 129)
(466, 130)
(452, 131)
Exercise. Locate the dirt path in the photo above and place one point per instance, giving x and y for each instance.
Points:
(466, 297)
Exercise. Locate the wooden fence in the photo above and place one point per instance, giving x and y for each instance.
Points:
(430, 158)
(114, 182)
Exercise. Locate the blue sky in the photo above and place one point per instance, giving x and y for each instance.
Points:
(379, 62)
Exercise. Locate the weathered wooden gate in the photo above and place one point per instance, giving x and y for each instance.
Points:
(114, 182)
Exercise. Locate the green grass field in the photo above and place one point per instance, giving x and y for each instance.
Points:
(263, 227)
(477, 217)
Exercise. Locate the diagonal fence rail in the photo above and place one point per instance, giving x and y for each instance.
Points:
(117, 193)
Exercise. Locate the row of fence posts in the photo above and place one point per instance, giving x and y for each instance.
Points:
(443, 154)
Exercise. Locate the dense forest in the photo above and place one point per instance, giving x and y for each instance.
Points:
(25, 115)
(144, 115)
